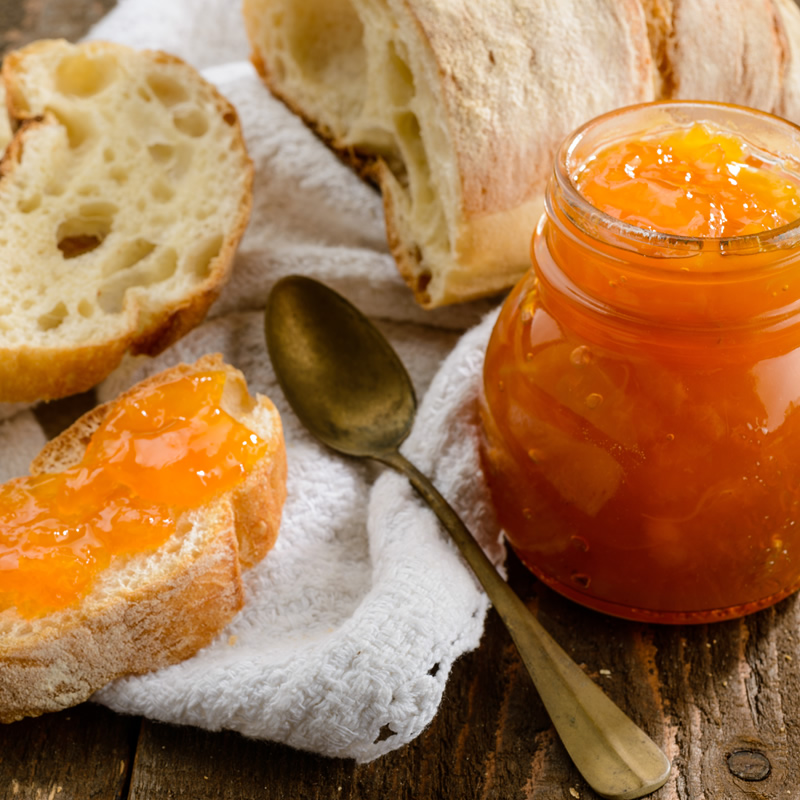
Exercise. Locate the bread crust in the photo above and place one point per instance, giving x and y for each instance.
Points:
(788, 17)
(59, 660)
(499, 135)
(50, 368)
(730, 51)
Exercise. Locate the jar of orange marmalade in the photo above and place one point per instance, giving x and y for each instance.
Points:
(641, 395)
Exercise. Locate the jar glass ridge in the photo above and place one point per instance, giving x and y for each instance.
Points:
(641, 398)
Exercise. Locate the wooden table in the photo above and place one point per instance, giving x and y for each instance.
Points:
(723, 700)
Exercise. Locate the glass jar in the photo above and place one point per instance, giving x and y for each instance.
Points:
(641, 398)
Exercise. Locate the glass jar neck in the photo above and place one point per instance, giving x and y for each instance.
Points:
(609, 267)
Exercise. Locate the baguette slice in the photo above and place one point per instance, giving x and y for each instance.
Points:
(456, 108)
(151, 609)
(123, 195)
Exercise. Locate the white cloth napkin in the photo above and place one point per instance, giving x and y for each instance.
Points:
(353, 621)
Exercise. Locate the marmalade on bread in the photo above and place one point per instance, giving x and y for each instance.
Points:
(159, 452)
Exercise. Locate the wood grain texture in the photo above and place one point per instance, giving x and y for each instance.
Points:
(85, 752)
(22, 21)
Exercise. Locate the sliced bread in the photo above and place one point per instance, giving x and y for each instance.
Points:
(148, 609)
(123, 195)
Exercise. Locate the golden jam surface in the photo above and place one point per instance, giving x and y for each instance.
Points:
(648, 466)
(695, 181)
(161, 451)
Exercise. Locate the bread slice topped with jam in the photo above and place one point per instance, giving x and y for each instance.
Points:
(123, 194)
(123, 551)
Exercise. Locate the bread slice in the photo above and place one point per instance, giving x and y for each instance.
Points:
(123, 195)
(456, 108)
(150, 609)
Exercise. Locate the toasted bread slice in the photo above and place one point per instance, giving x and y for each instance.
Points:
(123, 195)
(155, 608)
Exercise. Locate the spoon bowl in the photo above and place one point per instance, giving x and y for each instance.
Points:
(347, 385)
(341, 377)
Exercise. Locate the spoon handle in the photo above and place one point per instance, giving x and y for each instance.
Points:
(617, 759)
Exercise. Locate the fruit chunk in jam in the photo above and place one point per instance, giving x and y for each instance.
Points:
(159, 452)
(641, 398)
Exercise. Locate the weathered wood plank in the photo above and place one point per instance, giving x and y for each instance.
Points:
(22, 21)
(85, 752)
(722, 700)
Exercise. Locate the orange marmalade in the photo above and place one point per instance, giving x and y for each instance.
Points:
(641, 394)
(159, 452)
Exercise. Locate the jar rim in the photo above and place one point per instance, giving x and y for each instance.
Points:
(627, 233)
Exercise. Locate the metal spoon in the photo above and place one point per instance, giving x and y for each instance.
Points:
(349, 388)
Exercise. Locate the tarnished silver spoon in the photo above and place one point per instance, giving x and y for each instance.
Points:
(348, 387)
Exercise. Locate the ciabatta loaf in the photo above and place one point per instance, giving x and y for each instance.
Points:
(155, 608)
(123, 195)
(456, 108)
